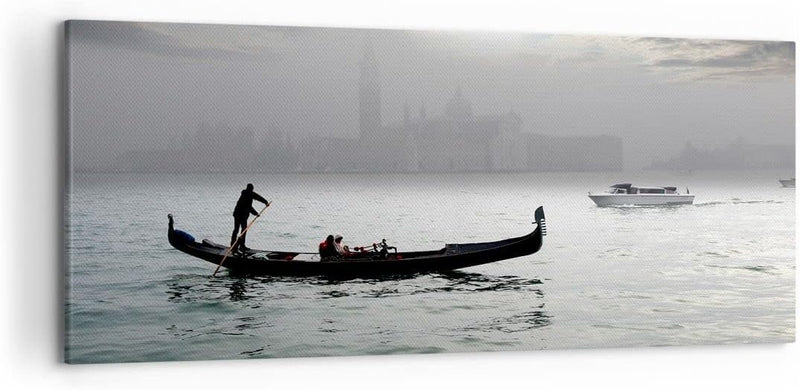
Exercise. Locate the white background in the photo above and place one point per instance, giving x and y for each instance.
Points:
(30, 320)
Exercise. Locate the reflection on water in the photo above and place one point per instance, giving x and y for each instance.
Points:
(256, 308)
(192, 288)
(238, 291)
(518, 323)
(462, 281)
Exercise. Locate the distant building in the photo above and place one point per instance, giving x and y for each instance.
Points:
(328, 154)
(587, 154)
(218, 148)
(457, 140)
(276, 152)
(148, 161)
(737, 155)
(460, 141)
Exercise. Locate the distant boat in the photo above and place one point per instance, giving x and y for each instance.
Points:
(626, 194)
(788, 183)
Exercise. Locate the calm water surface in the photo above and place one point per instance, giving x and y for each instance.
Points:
(719, 271)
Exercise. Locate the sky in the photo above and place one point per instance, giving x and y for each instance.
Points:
(146, 85)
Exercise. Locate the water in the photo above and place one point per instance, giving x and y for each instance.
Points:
(719, 271)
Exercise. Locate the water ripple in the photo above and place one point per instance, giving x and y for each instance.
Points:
(521, 322)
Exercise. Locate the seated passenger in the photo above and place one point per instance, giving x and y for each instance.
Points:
(327, 249)
(343, 250)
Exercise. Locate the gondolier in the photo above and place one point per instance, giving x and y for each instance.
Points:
(243, 209)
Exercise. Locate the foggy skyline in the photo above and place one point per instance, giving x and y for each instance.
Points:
(146, 85)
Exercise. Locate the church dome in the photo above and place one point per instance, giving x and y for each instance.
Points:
(458, 106)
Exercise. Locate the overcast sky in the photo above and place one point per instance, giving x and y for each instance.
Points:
(144, 85)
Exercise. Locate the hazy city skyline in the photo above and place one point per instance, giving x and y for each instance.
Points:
(147, 85)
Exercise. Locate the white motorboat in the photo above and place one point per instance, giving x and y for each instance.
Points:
(788, 183)
(628, 195)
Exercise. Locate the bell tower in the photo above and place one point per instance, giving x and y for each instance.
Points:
(369, 95)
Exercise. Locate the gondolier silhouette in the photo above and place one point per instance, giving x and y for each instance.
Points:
(243, 209)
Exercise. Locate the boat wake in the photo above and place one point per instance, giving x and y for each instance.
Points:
(642, 206)
(737, 201)
(767, 269)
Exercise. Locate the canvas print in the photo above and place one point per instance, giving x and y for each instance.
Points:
(271, 192)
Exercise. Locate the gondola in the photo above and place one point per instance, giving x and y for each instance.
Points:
(366, 263)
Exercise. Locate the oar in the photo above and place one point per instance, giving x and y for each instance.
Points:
(228, 252)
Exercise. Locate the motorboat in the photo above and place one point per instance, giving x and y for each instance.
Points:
(628, 195)
(788, 183)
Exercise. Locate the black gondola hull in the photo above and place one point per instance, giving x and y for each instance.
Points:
(453, 256)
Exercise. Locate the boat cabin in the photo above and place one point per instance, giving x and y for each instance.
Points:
(628, 189)
(620, 189)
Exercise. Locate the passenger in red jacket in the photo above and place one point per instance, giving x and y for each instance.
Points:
(327, 249)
